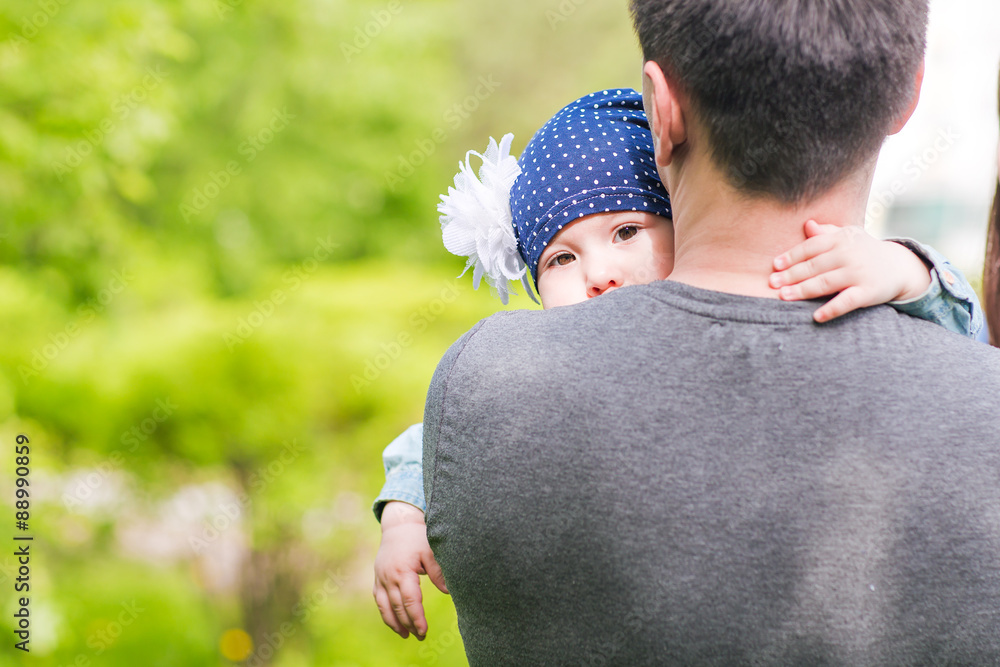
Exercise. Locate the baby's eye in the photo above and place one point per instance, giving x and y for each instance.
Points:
(562, 259)
(627, 232)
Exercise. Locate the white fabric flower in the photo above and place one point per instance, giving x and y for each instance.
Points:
(476, 219)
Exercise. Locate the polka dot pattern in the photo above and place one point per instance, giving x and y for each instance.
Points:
(594, 156)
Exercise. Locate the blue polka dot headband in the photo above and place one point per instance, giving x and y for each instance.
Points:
(594, 156)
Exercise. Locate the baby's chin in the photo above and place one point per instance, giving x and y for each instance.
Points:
(550, 301)
(560, 300)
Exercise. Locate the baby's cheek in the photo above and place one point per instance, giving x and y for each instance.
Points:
(561, 288)
(665, 264)
(652, 268)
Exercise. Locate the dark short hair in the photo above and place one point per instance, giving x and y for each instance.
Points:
(793, 94)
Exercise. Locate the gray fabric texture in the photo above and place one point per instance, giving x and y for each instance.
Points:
(667, 475)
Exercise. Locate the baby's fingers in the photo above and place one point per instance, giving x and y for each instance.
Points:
(434, 572)
(813, 228)
(824, 284)
(850, 299)
(804, 251)
(810, 271)
(388, 616)
(412, 603)
(399, 609)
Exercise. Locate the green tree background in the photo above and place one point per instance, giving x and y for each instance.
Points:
(222, 292)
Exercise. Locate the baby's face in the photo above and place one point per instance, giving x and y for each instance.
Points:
(602, 252)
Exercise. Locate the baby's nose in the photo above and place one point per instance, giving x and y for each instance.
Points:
(602, 280)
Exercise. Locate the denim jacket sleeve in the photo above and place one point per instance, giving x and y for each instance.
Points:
(404, 471)
(949, 301)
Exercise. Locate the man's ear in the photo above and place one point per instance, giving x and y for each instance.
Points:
(666, 120)
(918, 82)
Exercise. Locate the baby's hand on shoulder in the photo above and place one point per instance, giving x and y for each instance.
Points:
(403, 556)
(849, 262)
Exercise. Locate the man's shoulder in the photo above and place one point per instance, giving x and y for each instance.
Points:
(921, 331)
(521, 329)
(669, 319)
(499, 335)
(934, 346)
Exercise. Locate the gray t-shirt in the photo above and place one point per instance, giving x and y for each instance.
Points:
(669, 475)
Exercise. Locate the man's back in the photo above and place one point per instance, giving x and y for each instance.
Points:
(671, 475)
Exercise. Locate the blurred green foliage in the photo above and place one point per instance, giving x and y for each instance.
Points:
(216, 217)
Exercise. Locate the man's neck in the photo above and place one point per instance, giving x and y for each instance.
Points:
(727, 242)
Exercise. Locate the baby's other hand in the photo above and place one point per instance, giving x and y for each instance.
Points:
(851, 263)
(403, 556)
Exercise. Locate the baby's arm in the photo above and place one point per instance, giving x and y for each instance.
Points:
(404, 553)
(949, 301)
(864, 271)
(403, 460)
